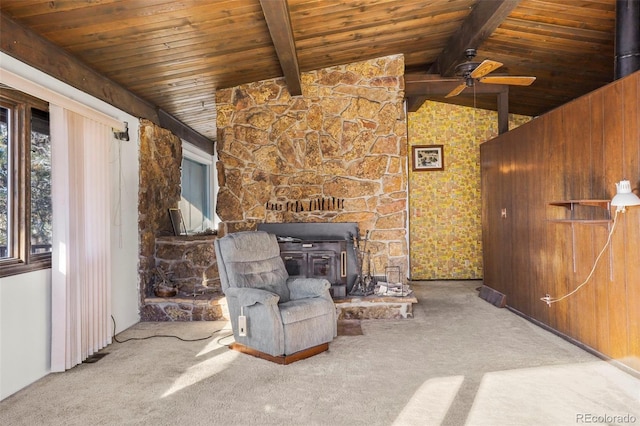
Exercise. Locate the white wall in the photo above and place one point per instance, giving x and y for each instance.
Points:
(124, 230)
(25, 330)
(25, 300)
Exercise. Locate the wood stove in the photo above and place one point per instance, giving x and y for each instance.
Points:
(317, 259)
(320, 250)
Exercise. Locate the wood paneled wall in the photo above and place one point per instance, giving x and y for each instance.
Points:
(578, 151)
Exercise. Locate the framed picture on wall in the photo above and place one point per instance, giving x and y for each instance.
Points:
(427, 158)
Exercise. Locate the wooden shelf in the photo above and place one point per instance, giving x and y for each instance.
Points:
(571, 205)
(584, 221)
(605, 204)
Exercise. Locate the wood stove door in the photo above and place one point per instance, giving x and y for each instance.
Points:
(295, 262)
(324, 264)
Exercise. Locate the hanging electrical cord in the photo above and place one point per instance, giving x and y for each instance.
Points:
(165, 335)
(549, 300)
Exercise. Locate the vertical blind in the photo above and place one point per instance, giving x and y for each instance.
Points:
(81, 258)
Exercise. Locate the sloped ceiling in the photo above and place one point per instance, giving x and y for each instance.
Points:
(171, 56)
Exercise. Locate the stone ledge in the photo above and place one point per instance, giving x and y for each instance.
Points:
(185, 238)
(375, 307)
(184, 309)
(199, 309)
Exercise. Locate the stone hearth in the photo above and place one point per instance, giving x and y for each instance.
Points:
(207, 309)
(190, 263)
(199, 308)
(375, 307)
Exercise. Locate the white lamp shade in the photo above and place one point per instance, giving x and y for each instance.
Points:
(624, 196)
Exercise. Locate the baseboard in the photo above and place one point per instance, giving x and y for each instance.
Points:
(282, 359)
(493, 296)
(620, 365)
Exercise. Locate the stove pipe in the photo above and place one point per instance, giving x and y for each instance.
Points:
(627, 44)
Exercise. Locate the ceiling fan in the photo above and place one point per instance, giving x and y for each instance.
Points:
(471, 72)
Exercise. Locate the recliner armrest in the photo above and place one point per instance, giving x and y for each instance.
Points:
(301, 288)
(250, 296)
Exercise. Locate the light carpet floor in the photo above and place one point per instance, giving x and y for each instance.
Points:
(459, 361)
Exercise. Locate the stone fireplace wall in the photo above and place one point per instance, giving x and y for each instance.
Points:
(188, 261)
(160, 162)
(338, 153)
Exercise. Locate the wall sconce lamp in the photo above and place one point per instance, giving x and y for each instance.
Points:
(124, 135)
(624, 197)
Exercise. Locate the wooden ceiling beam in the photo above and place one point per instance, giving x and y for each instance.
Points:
(415, 102)
(276, 13)
(503, 112)
(483, 20)
(32, 49)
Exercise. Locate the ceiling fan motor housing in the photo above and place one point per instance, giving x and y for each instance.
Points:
(465, 68)
(470, 53)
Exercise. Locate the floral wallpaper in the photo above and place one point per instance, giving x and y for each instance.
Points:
(445, 233)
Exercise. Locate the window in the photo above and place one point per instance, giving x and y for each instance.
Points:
(25, 183)
(197, 189)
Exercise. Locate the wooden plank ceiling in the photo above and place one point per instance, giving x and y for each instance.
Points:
(173, 55)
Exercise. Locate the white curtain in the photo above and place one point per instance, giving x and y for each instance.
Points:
(81, 256)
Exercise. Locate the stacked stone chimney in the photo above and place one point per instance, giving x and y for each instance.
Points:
(338, 153)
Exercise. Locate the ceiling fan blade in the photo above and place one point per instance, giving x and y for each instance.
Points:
(485, 68)
(510, 79)
(456, 91)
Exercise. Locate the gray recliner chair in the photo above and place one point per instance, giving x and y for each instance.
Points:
(287, 319)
